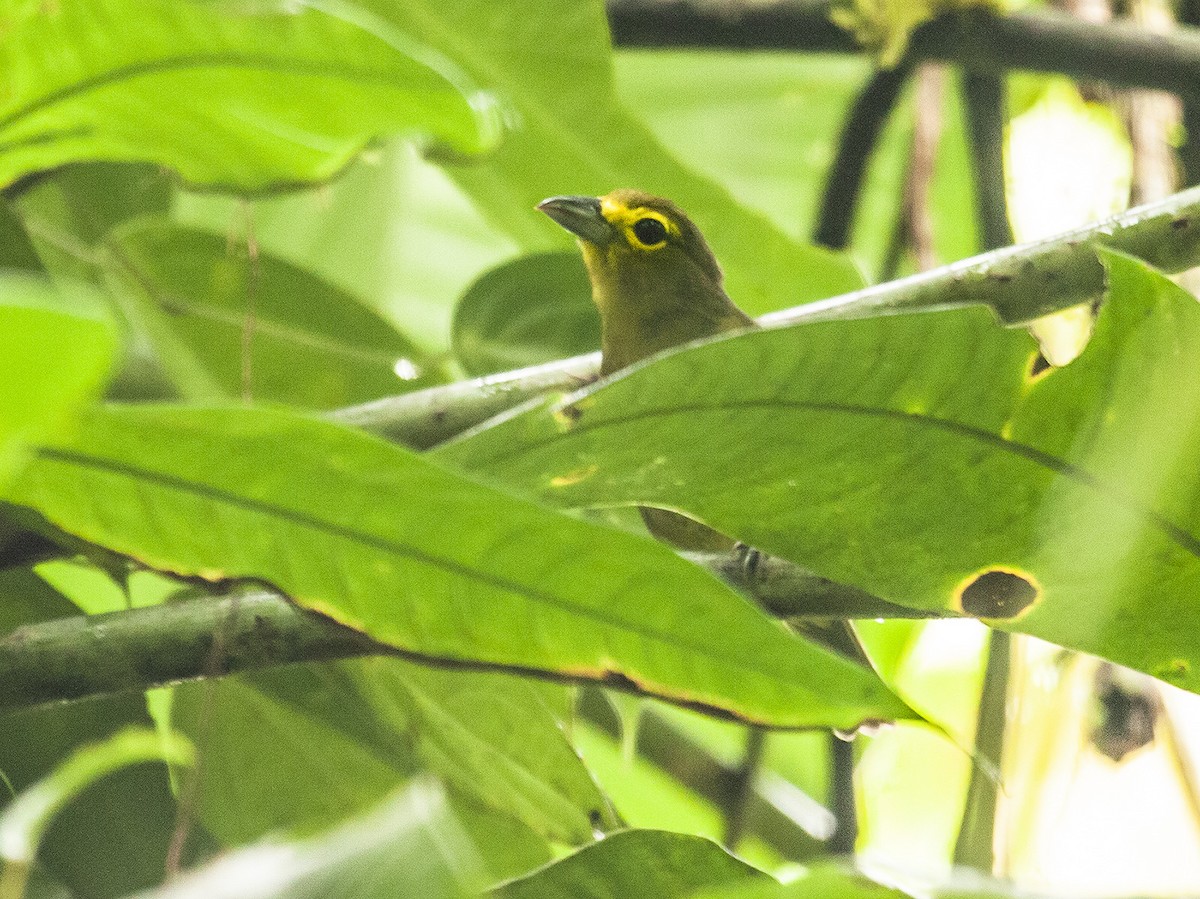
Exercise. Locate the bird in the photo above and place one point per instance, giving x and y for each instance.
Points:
(656, 285)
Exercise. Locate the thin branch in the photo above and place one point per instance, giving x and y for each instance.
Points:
(1041, 41)
(94, 655)
(914, 224)
(737, 812)
(984, 101)
(843, 795)
(1021, 283)
(859, 137)
(776, 811)
(976, 834)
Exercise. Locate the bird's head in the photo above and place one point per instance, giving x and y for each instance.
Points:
(630, 234)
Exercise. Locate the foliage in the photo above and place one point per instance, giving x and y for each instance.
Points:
(920, 457)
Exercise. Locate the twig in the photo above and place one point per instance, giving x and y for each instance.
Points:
(859, 137)
(974, 846)
(777, 812)
(737, 812)
(983, 98)
(985, 109)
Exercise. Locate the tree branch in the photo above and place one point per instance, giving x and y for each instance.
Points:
(1021, 283)
(1043, 41)
(93, 655)
(856, 144)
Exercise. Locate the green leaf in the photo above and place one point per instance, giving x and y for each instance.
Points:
(828, 881)
(524, 312)
(135, 803)
(649, 864)
(411, 844)
(300, 748)
(834, 881)
(210, 89)
(309, 344)
(56, 349)
(913, 457)
(552, 61)
(439, 567)
(25, 820)
(15, 249)
(269, 766)
(68, 212)
(493, 737)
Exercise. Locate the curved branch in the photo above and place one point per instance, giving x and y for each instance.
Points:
(1020, 283)
(1043, 41)
(856, 144)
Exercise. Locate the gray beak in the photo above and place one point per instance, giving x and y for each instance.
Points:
(581, 216)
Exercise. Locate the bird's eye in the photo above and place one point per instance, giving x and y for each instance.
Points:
(649, 231)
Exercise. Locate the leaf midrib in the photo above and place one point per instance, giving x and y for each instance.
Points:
(219, 495)
(1174, 532)
(231, 60)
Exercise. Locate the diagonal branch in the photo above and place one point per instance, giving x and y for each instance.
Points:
(1020, 283)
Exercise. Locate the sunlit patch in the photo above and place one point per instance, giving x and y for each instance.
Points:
(997, 593)
(1062, 336)
(1069, 162)
(406, 369)
(571, 478)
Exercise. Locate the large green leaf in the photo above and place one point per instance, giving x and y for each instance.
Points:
(299, 749)
(211, 90)
(437, 566)
(649, 864)
(524, 312)
(56, 348)
(219, 318)
(135, 804)
(913, 457)
(552, 60)
(494, 737)
(269, 767)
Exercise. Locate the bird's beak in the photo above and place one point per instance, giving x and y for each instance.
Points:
(581, 216)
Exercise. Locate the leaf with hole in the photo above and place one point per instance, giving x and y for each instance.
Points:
(441, 568)
(916, 457)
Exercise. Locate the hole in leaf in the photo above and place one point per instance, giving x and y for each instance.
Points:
(998, 593)
(1037, 365)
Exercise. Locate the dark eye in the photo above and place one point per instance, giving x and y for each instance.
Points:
(649, 231)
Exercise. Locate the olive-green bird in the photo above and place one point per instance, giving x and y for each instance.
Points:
(656, 284)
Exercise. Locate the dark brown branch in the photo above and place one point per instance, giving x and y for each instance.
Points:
(1043, 41)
